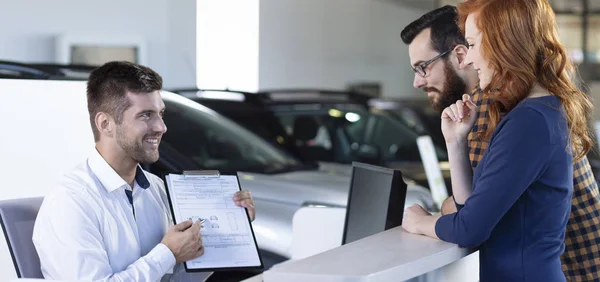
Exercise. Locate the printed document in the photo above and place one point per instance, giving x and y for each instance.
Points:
(227, 235)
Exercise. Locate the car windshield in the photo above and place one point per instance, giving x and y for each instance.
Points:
(258, 120)
(422, 120)
(213, 142)
(347, 132)
(404, 139)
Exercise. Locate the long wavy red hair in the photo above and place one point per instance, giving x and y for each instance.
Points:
(520, 41)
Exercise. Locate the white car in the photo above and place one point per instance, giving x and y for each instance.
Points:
(47, 132)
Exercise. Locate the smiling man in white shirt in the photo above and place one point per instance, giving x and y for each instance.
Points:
(108, 219)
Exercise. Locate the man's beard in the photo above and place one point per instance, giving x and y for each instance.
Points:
(135, 150)
(454, 88)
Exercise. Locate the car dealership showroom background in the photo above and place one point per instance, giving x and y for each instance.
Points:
(313, 105)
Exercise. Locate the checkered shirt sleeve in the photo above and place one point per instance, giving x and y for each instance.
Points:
(477, 146)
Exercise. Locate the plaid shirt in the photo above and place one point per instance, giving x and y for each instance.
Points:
(581, 259)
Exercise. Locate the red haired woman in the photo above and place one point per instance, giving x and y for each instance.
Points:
(515, 206)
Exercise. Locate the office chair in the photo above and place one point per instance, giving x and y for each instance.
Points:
(17, 218)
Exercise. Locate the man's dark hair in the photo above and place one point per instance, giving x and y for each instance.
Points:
(109, 84)
(445, 33)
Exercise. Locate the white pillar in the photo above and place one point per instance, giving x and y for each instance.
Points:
(227, 44)
(181, 45)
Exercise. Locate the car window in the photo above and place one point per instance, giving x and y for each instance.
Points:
(256, 124)
(322, 133)
(396, 141)
(356, 129)
(253, 118)
(411, 119)
(317, 137)
(419, 118)
(311, 134)
(214, 142)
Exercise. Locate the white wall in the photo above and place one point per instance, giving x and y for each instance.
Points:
(227, 43)
(49, 133)
(317, 43)
(28, 27)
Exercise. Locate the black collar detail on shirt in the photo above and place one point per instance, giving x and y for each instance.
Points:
(140, 178)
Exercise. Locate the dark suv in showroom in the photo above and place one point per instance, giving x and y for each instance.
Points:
(334, 128)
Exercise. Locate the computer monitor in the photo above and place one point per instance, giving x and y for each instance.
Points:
(375, 201)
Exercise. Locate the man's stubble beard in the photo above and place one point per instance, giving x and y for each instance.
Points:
(135, 150)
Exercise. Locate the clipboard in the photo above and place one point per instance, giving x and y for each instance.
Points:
(225, 231)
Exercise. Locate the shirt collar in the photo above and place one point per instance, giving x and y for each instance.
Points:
(109, 178)
(476, 90)
(480, 98)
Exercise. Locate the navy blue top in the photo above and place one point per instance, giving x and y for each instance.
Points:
(521, 200)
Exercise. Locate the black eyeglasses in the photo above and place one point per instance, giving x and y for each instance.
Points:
(420, 69)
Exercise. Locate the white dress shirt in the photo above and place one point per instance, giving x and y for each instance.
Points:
(86, 228)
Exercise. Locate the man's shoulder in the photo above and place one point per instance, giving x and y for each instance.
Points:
(72, 198)
(80, 176)
(77, 183)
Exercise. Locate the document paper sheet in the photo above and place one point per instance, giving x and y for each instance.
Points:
(226, 234)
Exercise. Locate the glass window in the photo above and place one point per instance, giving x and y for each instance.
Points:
(356, 129)
(322, 133)
(350, 135)
(422, 120)
(311, 134)
(393, 143)
(594, 37)
(213, 142)
(569, 31)
(449, 2)
(567, 6)
(397, 142)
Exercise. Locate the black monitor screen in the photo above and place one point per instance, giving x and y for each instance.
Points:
(375, 202)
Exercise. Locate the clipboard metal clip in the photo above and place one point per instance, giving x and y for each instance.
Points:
(214, 173)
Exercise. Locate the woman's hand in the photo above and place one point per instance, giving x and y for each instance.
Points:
(458, 119)
(412, 217)
(418, 221)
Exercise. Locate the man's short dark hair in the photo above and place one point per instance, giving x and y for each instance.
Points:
(445, 33)
(109, 84)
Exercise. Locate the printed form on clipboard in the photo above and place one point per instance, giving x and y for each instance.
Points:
(227, 234)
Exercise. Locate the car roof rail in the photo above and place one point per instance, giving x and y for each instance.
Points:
(192, 92)
(316, 93)
(9, 69)
(51, 67)
(66, 71)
